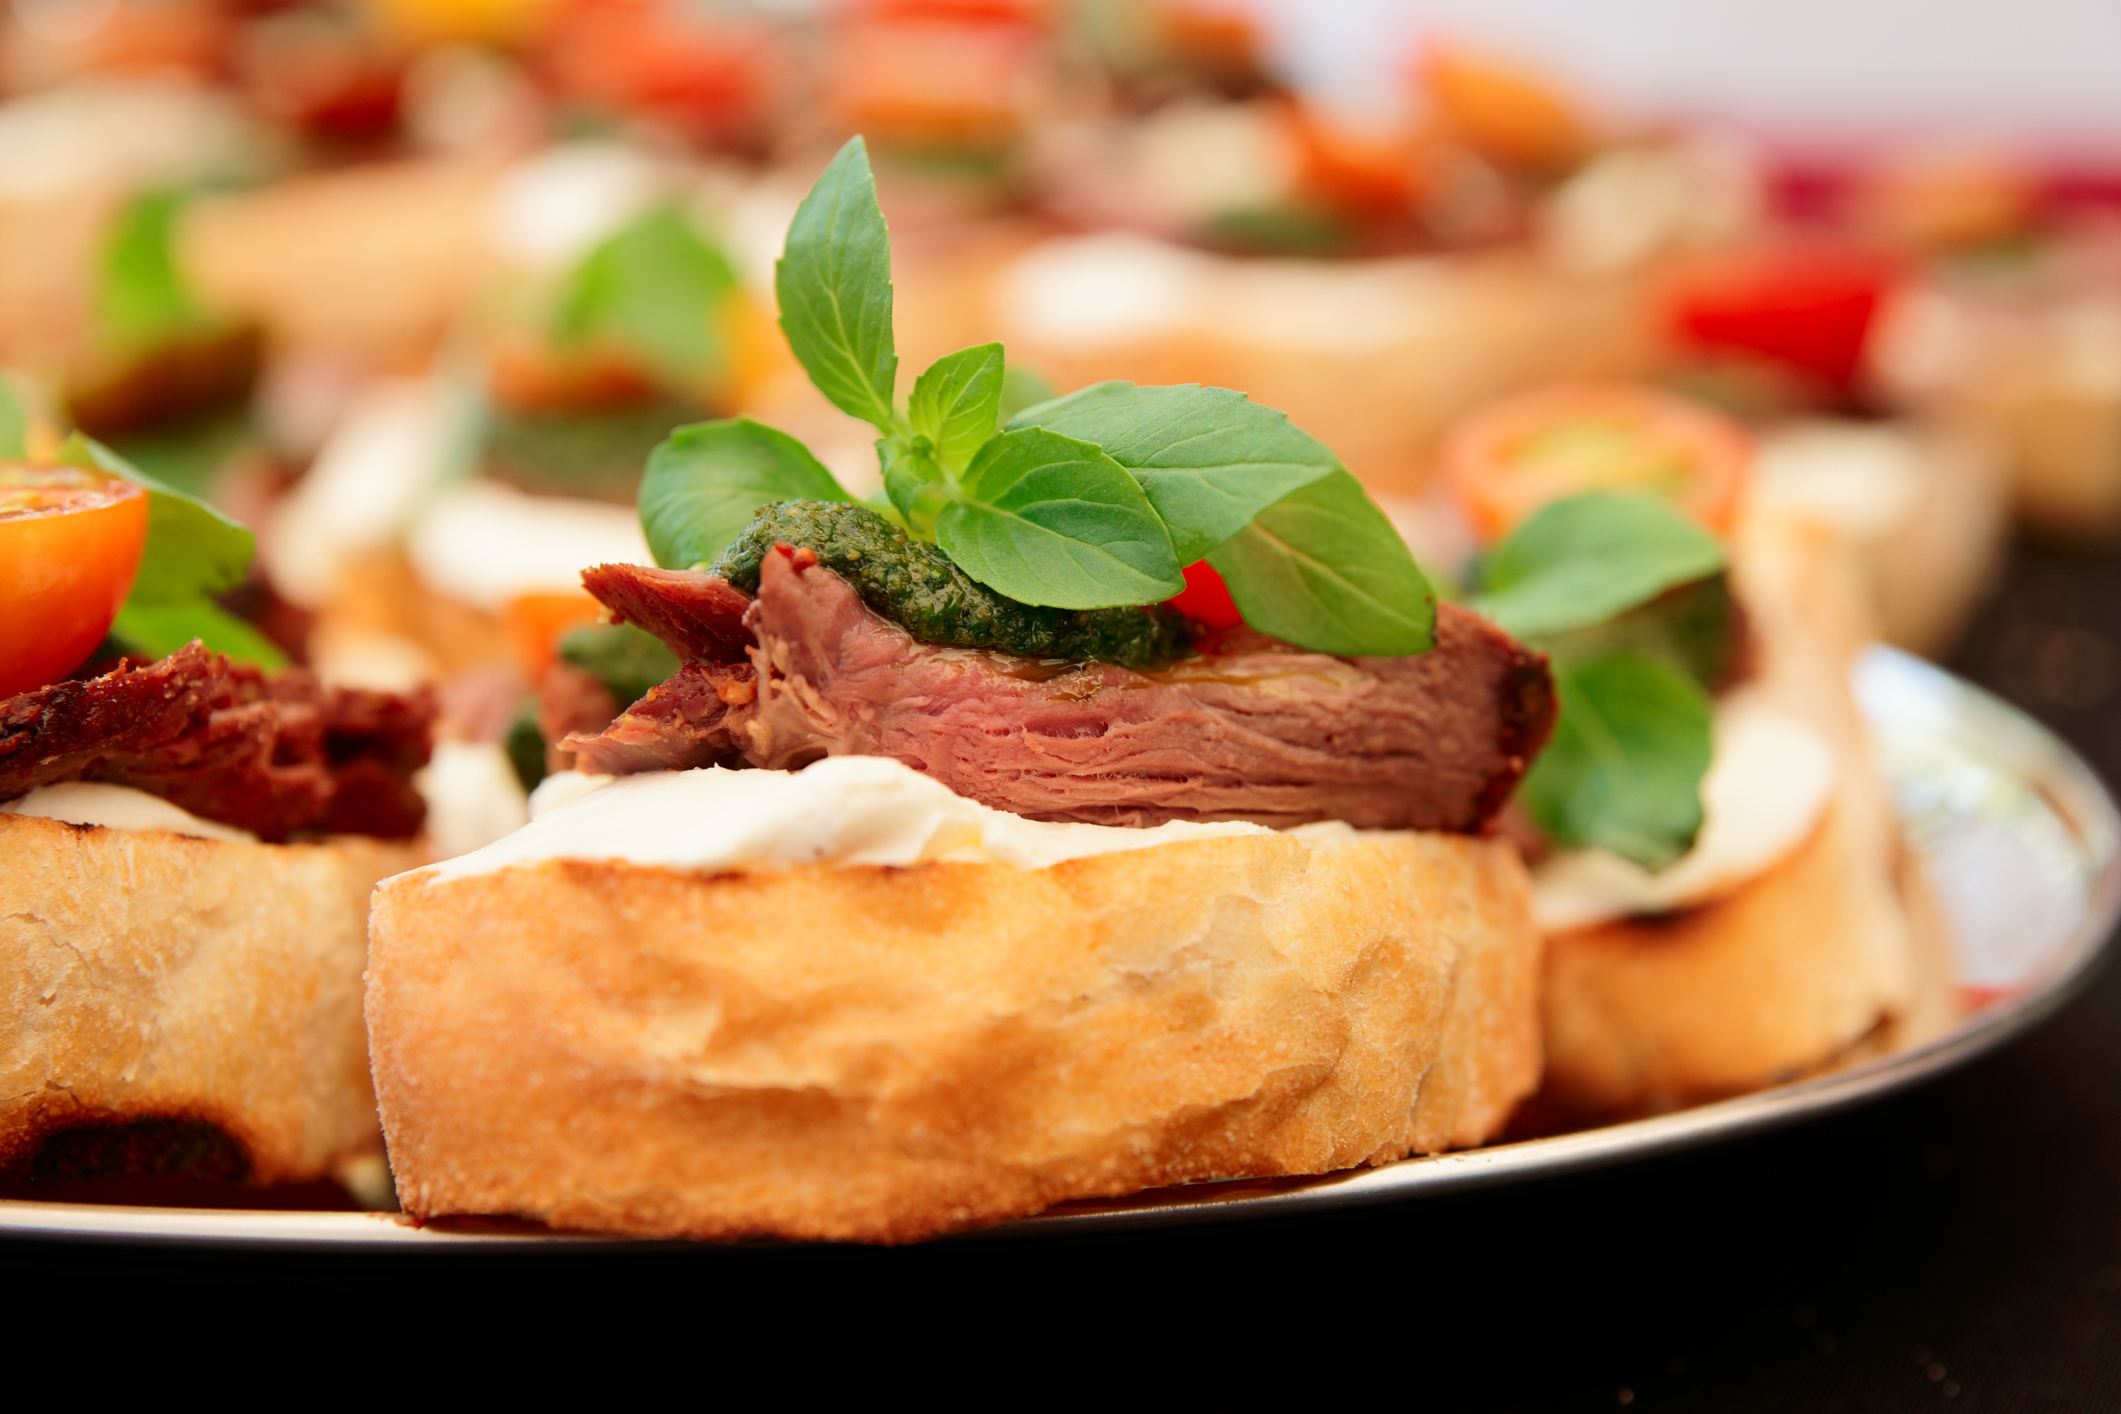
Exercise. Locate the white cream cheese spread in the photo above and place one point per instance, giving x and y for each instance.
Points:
(118, 808)
(1767, 785)
(845, 810)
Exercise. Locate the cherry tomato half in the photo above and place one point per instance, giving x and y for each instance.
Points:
(1808, 309)
(70, 543)
(1511, 458)
(1206, 597)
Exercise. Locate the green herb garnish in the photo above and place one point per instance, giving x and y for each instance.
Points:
(657, 290)
(14, 422)
(626, 660)
(141, 298)
(1628, 599)
(1086, 502)
(194, 554)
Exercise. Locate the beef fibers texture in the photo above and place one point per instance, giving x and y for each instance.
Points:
(1248, 728)
(883, 1055)
(269, 753)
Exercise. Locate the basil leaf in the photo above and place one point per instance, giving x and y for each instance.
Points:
(957, 403)
(1323, 569)
(705, 482)
(1623, 772)
(1692, 628)
(656, 290)
(1050, 520)
(626, 659)
(1210, 459)
(833, 281)
(14, 422)
(159, 630)
(1587, 558)
(193, 551)
(141, 298)
(913, 484)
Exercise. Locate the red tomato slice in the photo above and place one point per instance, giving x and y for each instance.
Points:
(1809, 309)
(1206, 598)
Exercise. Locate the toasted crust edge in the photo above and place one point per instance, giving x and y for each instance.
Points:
(884, 1055)
(169, 985)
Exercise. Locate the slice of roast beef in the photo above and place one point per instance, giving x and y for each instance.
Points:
(681, 723)
(699, 616)
(270, 754)
(1248, 728)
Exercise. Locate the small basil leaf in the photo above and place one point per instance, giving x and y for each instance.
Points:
(1050, 520)
(141, 298)
(626, 659)
(193, 551)
(1587, 558)
(14, 422)
(833, 281)
(913, 484)
(705, 482)
(1623, 772)
(880, 502)
(1693, 628)
(525, 745)
(160, 629)
(957, 402)
(1210, 459)
(658, 291)
(1323, 569)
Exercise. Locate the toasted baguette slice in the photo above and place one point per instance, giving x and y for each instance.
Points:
(1799, 964)
(156, 984)
(882, 1055)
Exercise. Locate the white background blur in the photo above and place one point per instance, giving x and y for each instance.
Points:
(1813, 75)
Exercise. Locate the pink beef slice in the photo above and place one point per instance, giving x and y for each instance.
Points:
(1249, 728)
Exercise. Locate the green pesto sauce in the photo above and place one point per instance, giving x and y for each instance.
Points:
(916, 586)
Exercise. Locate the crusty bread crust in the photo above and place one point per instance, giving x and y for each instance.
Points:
(1797, 966)
(882, 1055)
(149, 977)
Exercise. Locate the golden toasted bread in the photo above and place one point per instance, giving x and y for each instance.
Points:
(882, 1055)
(159, 984)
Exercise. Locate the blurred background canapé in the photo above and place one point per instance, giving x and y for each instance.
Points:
(413, 286)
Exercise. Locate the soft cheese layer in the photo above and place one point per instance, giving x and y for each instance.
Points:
(118, 808)
(847, 810)
(1768, 783)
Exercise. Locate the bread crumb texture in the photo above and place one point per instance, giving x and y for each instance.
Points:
(883, 1055)
(149, 977)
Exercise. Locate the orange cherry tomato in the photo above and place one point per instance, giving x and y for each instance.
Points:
(1512, 457)
(535, 623)
(70, 543)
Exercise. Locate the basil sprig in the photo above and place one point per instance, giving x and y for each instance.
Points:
(141, 296)
(1088, 501)
(657, 290)
(193, 554)
(704, 483)
(1592, 581)
(833, 281)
